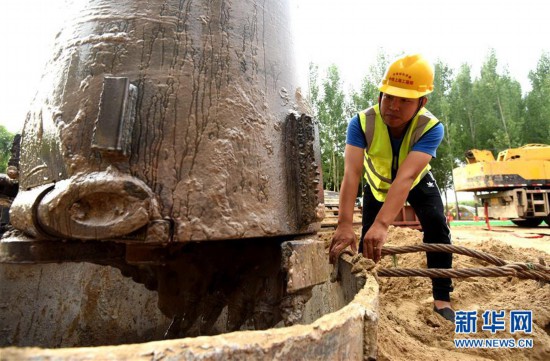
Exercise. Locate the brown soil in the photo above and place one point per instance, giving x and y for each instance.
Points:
(409, 329)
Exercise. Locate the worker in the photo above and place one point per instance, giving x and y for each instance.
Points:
(394, 141)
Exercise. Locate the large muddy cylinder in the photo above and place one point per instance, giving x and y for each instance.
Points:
(196, 99)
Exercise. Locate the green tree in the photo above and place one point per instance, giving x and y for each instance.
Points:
(329, 105)
(510, 110)
(6, 140)
(313, 88)
(439, 105)
(498, 107)
(462, 127)
(536, 127)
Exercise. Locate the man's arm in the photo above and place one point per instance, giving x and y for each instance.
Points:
(344, 235)
(375, 238)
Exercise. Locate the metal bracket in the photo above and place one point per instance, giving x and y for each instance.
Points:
(113, 128)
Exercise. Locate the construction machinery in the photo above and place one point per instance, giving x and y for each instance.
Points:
(168, 141)
(514, 186)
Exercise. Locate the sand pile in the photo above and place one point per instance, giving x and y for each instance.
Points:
(410, 330)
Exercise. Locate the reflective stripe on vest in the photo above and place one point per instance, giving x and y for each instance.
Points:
(379, 156)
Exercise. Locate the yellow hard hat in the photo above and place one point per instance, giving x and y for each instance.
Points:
(410, 76)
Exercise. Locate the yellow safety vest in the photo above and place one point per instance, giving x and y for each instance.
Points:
(379, 158)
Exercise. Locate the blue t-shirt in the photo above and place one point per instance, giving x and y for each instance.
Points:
(428, 143)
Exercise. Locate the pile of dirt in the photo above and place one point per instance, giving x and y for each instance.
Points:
(410, 330)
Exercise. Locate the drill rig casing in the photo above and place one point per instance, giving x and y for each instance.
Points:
(516, 185)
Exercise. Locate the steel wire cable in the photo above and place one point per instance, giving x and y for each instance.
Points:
(503, 269)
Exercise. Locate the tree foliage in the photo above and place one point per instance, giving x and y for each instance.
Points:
(6, 140)
(329, 104)
(462, 125)
(498, 107)
(439, 105)
(536, 125)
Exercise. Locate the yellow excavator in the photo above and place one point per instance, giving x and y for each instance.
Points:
(514, 186)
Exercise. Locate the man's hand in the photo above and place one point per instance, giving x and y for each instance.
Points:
(343, 236)
(374, 241)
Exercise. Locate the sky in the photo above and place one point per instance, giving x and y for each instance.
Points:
(347, 33)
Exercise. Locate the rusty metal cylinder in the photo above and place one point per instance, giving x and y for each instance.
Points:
(197, 100)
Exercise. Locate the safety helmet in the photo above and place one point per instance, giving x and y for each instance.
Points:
(410, 76)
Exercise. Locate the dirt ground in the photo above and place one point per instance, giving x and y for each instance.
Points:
(410, 330)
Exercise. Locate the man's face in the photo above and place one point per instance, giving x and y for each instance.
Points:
(397, 111)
